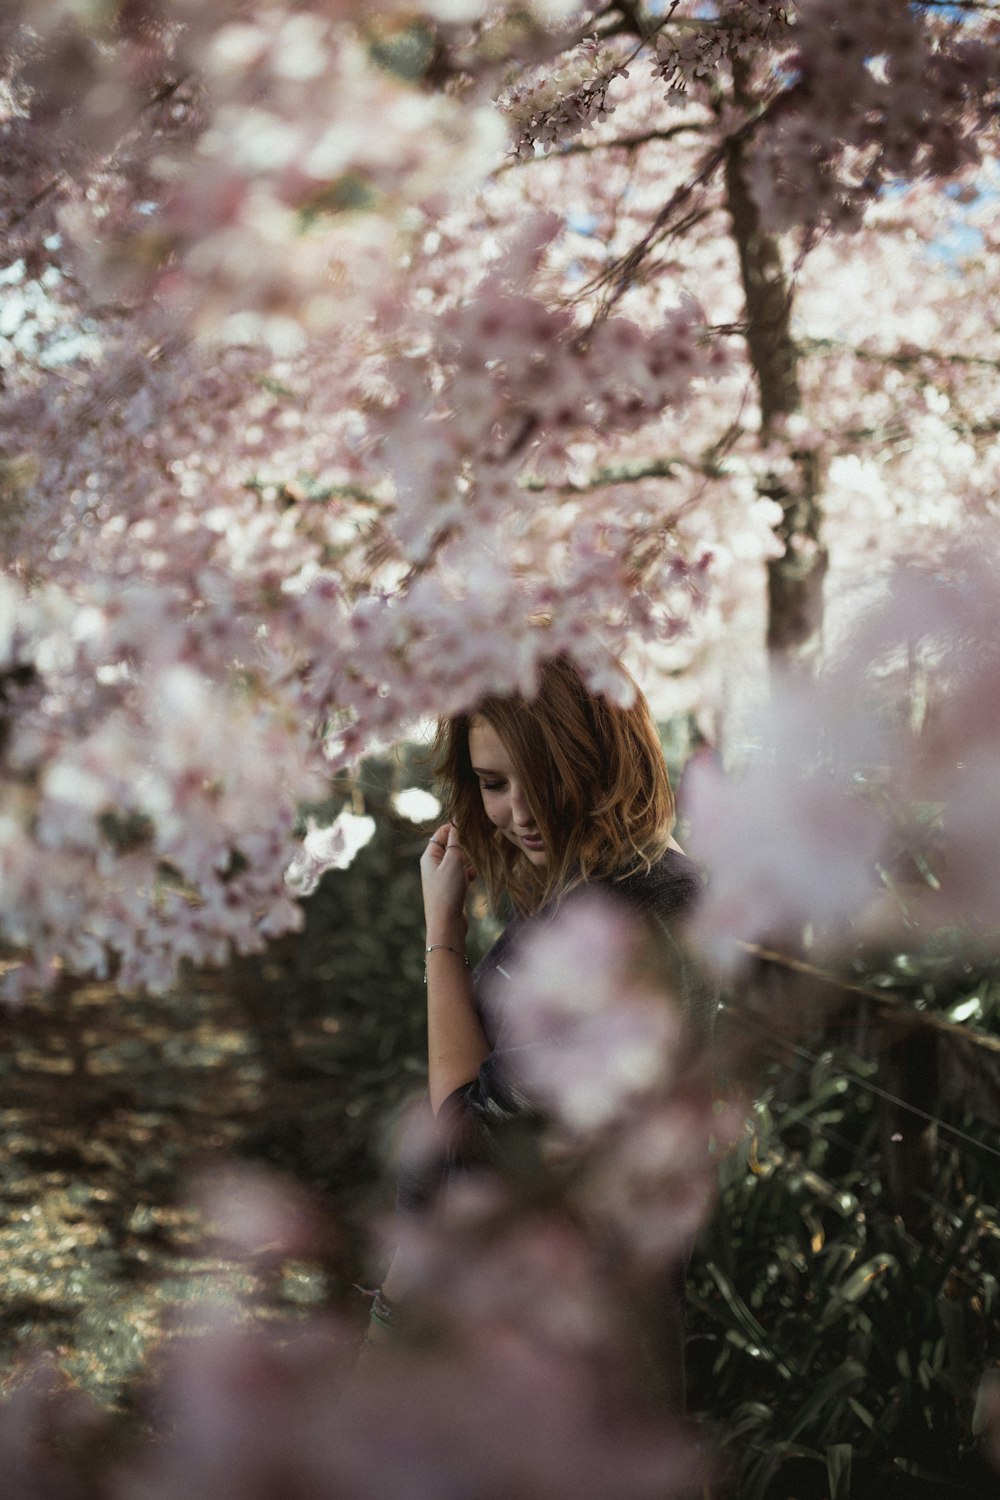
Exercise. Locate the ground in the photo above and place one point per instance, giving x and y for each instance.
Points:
(111, 1106)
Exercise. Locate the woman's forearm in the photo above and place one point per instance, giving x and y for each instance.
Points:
(456, 1044)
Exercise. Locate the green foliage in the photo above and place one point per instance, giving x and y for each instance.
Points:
(361, 955)
(338, 1013)
(836, 1354)
(955, 974)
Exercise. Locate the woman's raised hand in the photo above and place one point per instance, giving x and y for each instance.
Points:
(445, 875)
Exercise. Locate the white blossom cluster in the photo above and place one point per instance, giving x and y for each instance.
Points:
(147, 811)
(858, 95)
(876, 94)
(687, 57)
(551, 108)
(517, 382)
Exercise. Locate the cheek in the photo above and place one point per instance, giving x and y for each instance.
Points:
(493, 809)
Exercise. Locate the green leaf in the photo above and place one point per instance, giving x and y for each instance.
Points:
(746, 1319)
(763, 1471)
(749, 1415)
(831, 1388)
(839, 1457)
(953, 1249)
(857, 1285)
(861, 1412)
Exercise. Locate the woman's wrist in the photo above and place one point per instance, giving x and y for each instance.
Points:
(448, 951)
(446, 937)
(446, 927)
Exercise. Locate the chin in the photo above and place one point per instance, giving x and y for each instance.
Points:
(536, 857)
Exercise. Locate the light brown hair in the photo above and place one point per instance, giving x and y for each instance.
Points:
(594, 778)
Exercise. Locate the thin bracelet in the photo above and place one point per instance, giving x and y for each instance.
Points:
(448, 949)
(382, 1314)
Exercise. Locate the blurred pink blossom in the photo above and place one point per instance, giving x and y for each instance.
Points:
(252, 1417)
(790, 839)
(587, 1037)
(257, 1213)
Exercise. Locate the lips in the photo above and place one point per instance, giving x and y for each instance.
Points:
(533, 842)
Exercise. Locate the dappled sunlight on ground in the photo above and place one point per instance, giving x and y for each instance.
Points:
(111, 1105)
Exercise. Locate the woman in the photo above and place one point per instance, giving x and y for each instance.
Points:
(545, 796)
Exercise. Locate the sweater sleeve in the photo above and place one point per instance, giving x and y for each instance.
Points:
(476, 1126)
(476, 1115)
(663, 898)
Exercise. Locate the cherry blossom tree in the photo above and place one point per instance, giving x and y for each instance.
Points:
(357, 358)
(312, 428)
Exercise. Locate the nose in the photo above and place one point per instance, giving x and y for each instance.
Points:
(519, 808)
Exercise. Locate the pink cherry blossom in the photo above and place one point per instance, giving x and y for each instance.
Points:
(314, 431)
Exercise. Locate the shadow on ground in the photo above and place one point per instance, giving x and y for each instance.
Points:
(111, 1105)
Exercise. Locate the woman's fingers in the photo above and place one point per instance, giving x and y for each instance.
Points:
(438, 870)
(445, 877)
(442, 839)
(437, 846)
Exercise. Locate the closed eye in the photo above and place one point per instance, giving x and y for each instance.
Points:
(491, 786)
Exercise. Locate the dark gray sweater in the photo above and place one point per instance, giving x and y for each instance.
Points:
(474, 1117)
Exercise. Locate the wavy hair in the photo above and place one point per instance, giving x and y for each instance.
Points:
(594, 778)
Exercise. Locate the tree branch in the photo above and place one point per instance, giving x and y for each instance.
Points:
(900, 357)
(657, 468)
(621, 273)
(583, 148)
(897, 431)
(890, 1005)
(19, 215)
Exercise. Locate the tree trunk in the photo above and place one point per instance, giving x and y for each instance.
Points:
(795, 580)
(909, 1072)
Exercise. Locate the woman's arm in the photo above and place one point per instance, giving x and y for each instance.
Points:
(456, 1045)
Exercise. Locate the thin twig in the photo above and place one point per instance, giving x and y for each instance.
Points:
(901, 357)
(899, 1009)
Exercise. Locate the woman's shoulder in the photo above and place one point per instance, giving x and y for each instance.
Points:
(668, 889)
(664, 896)
(499, 951)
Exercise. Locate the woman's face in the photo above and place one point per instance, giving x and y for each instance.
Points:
(502, 793)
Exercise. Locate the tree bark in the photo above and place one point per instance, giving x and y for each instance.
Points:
(795, 580)
(908, 1071)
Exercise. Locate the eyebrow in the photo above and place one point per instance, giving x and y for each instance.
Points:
(483, 771)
